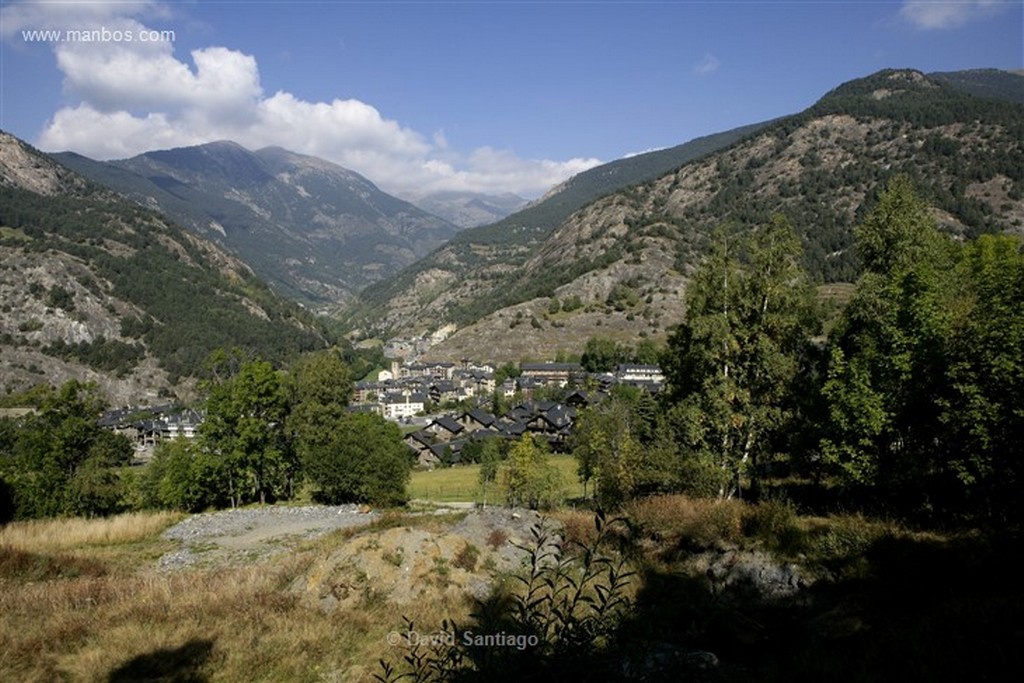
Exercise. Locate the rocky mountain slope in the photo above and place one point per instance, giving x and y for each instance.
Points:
(98, 288)
(314, 231)
(503, 246)
(622, 261)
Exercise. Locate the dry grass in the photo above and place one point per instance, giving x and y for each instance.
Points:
(578, 525)
(79, 622)
(677, 517)
(55, 535)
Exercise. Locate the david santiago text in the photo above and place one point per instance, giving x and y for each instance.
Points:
(469, 639)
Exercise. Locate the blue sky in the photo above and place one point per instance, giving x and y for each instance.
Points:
(484, 96)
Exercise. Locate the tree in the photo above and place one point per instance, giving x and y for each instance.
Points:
(507, 371)
(245, 427)
(362, 460)
(607, 451)
(320, 388)
(603, 355)
(981, 406)
(183, 476)
(730, 366)
(489, 457)
(887, 364)
(529, 477)
(59, 460)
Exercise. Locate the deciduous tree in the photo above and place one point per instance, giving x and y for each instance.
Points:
(732, 363)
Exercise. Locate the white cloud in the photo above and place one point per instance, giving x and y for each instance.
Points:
(707, 65)
(135, 97)
(932, 15)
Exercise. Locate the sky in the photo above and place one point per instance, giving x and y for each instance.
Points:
(425, 96)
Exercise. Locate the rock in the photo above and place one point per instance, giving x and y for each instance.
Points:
(751, 575)
(659, 661)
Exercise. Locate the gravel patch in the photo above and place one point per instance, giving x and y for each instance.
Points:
(255, 533)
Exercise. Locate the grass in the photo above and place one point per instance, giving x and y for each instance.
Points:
(461, 484)
(81, 601)
(73, 611)
(51, 535)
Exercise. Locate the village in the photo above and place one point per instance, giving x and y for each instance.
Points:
(440, 406)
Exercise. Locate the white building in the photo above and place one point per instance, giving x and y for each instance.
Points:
(405, 404)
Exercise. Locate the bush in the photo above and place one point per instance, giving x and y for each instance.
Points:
(529, 478)
(774, 522)
(182, 477)
(363, 461)
(563, 617)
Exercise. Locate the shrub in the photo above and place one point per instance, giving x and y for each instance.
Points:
(567, 611)
(774, 522)
(467, 557)
(497, 538)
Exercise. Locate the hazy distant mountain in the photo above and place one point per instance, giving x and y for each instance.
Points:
(470, 209)
(989, 83)
(98, 288)
(624, 259)
(316, 232)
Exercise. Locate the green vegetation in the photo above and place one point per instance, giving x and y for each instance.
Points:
(733, 364)
(191, 305)
(462, 483)
(59, 461)
(528, 476)
(266, 433)
(604, 355)
(365, 461)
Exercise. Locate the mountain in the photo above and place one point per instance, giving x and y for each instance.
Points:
(96, 287)
(623, 260)
(314, 231)
(470, 209)
(988, 83)
(486, 252)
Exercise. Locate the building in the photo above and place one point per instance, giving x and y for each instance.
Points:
(559, 374)
(401, 405)
(635, 372)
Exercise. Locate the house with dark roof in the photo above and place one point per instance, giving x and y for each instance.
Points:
(554, 424)
(445, 428)
(421, 445)
(474, 420)
(397, 405)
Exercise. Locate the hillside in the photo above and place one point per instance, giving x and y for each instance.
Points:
(314, 231)
(626, 256)
(498, 247)
(98, 288)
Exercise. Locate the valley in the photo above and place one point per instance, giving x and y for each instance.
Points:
(742, 408)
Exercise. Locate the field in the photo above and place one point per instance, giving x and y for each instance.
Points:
(462, 483)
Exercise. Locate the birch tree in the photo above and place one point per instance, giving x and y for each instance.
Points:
(732, 363)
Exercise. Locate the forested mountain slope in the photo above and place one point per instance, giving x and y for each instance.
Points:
(314, 231)
(623, 260)
(98, 288)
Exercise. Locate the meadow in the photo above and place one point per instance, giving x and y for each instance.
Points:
(461, 484)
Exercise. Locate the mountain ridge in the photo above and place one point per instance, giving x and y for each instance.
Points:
(627, 255)
(98, 288)
(315, 231)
